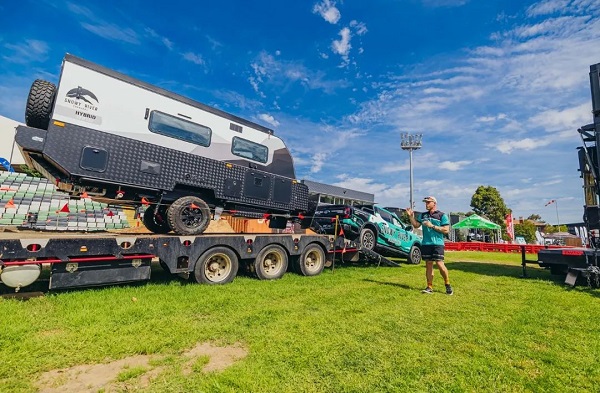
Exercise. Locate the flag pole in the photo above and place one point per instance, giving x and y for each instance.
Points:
(557, 220)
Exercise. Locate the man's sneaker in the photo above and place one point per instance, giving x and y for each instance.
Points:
(427, 290)
(449, 290)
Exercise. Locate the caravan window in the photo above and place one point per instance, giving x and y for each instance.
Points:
(251, 150)
(172, 126)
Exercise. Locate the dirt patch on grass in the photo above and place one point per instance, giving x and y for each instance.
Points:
(136, 371)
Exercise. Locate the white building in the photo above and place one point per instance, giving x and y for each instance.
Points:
(9, 151)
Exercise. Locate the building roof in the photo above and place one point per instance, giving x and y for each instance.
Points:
(341, 192)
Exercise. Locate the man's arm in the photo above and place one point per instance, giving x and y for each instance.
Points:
(411, 217)
(444, 226)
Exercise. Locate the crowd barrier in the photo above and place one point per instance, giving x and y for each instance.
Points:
(498, 247)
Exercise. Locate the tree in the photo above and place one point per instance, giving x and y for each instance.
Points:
(535, 217)
(487, 202)
(526, 230)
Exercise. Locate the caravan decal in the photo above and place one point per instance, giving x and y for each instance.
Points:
(81, 104)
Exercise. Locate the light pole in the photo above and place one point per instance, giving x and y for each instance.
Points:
(411, 142)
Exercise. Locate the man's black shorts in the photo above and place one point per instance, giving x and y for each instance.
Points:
(432, 253)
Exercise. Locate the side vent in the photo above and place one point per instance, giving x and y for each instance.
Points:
(235, 127)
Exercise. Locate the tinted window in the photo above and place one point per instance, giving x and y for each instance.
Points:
(172, 126)
(397, 221)
(247, 149)
(385, 215)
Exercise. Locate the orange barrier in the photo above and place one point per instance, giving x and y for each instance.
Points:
(497, 247)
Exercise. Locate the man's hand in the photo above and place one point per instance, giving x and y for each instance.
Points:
(428, 224)
(410, 212)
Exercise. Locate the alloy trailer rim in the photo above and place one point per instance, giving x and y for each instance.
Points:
(191, 217)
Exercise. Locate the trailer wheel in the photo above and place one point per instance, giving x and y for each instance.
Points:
(367, 239)
(188, 215)
(271, 263)
(219, 265)
(156, 221)
(311, 262)
(39, 104)
(414, 256)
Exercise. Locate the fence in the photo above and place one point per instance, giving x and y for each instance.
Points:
(497, 247)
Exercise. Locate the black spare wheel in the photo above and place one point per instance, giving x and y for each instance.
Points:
(39, 104)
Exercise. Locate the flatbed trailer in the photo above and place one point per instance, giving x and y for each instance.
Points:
(574, 262)
(78, 260)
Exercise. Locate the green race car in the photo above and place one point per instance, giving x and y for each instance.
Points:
(374, 227)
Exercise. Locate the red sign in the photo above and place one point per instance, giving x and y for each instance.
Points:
(572, 252)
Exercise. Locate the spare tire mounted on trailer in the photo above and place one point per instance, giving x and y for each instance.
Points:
(39, 104)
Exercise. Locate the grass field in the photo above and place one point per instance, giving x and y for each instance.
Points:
(353, 329)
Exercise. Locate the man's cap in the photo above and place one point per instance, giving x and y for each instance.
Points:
(430, 199)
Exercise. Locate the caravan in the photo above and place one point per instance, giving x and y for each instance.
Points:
(122, 140)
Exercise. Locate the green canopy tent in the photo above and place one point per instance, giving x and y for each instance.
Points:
(477, 222)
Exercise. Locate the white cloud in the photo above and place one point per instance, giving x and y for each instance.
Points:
(523, 144)
(559, 120)
(163, 40)
(328, 11)
(359, 27)
(342, 46)
(454, 165)
(546, 7)
(112, 32)
(491, 119)
(26, 52)
(444, 3)
(275, 73)
(194, 58)
(268, 119)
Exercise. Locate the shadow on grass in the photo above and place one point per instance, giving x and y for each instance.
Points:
(500, 270)
(393, 284)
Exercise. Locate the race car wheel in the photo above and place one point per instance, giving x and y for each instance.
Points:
(367, 239)
(414, 256)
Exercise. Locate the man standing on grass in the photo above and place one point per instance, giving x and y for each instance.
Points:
(435, 225)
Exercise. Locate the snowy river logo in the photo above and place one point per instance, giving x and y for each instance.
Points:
(81, 104)
(80, 94)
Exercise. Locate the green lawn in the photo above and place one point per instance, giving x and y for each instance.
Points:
(356, 329)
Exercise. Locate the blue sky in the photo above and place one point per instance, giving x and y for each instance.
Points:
(498, 88)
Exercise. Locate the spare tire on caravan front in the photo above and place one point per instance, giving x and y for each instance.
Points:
(121, 140)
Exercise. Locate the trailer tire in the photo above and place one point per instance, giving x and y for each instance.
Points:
(271, 263)
(156, 222)
(414, 255)
(188, 215)
(39, 104)
(311, 262)
(218, 265)
(368, 239)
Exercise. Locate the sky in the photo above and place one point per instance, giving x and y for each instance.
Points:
(497, 88)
